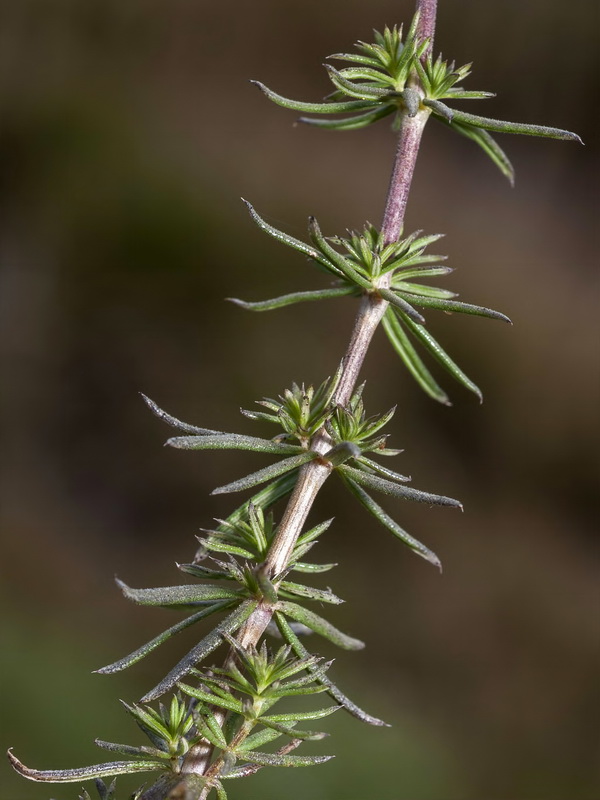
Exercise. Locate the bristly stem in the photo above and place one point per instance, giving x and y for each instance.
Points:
(314, 474)
(409, 141)
(427, 15)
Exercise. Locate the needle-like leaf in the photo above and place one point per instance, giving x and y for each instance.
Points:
(401, 303)
(285, 238)
(183, 595)
(397, 490)
(272, 760)
(373, 466)
(403, 346)
(378, 512)
(83, 773)
(453, 305)
(501, 126)
(230, 703)
(232, 441)
(319, 625)
(312, 108)
(290, 299)
(229, 625)
(438, 352)
(332, 690)
(353, 123)
(174, 422)
(266, 474)
(338, 260)
(489, 146)
(147, 648)
(320, 595)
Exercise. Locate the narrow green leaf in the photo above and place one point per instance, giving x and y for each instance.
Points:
(292, 732)
(423, 272)
(421, 289)
(455, 305)
(398, 301)
(284, 238)
(396, 490)
(313, 665)
(353, 123)
(321, 595)
(360, 91)
(312, 534)
(358, 59)
(200, 571)
(403, 346)
(298, 716)
(221, 793)
(383, 471)
(176, 595)
(267, 588)
(232, 441)
(272, 760)
(214, 545)
(378, 512)
(173, 421)
(364, 73)
(262, 475)
(82, 773)
(341, 263)
(145, 649)
(501, 126)
(259, 739)
(319, 625)
(149, 722)
(290, 637)
(300, 566)
(442, 356)
(229, 625)
(260, 415)
(440, 109)
(206, 732)
(290, 299)
(468, 94)
(312, 108)
(294, 691)
(230, 703)
(488, 144)
(128, 750)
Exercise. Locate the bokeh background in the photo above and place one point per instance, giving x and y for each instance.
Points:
(128, 133)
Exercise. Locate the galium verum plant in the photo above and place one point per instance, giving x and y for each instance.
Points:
(218, 721)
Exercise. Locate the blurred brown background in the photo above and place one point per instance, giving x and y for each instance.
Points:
(128, 133)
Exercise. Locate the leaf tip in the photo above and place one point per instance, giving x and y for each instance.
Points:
(237, 302)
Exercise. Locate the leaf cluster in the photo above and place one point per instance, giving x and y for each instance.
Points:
(244, 692)
(363, 264)
(395, 76)
(231, 578)
(226, 713)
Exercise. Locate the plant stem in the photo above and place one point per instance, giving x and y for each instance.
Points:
(427, 14)
(372, 308)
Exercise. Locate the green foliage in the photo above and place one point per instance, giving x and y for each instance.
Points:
(394, 76)
(219, 719)
(261, 678)
(363, 264)
(301, 411)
